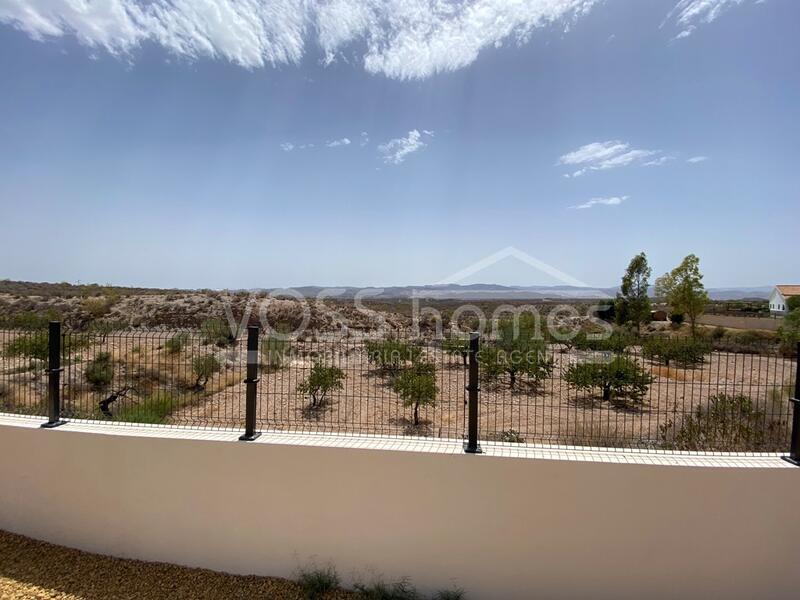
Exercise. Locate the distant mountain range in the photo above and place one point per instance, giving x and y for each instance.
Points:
(484, 291)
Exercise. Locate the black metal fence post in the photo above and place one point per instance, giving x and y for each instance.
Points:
(54, 376)
(252, 380)
(473, 389)
(794, 451)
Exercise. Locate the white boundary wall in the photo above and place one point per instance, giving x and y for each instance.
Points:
(564, 524)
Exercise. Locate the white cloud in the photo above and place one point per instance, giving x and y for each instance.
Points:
(399, 38)
(287, 146)
(697, 159)
(336, 143)
(613, 201)
(395, 151)
(599, 156)
(688, 14)
(364, 138)
(657, 162)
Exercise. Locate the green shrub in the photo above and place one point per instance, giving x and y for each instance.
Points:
(793, 303)
(273, 351)
(416, 386)
(34, 345)
(686, 351)
(789, 332)
(30, 320)
(511, 436)
(217, 332)
(176, 343)
(316, 582)
(322, 380)
(727, 424)
(204, 367)
(401, 590)
(391, 355)
(676, 319)
(620, 377)
(456, 346)
(100, 371)
(151, 410)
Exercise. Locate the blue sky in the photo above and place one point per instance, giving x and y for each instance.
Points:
(155, 144)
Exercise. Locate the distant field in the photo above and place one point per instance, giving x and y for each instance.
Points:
(752, 323)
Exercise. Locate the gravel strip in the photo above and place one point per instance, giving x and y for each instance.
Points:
(33, 569)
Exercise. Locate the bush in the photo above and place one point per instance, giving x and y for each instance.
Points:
(617, 378)
(273, 351)
(416, 386)
(100, 371)
(727, 424)
(401, 590)
(793, 303)
(34, 345)
(100, 307)
(676, 319)
(511, 436)
(316, 583)
(456, 346)
(391, 355)
(320, 382)
(686, 351)
(175, 344)
(30, 320)
(217, 332)
(789, 332)
(204, 367)
(449, 595)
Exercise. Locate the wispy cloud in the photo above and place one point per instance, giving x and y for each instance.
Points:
(599, 156)
(287, 146)
(401, 39)
(613, 201)
(364, 138)
(687, 15)
(697, 159)
(395, 151)
(336, 143)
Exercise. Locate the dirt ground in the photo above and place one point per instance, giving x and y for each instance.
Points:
(30, 569)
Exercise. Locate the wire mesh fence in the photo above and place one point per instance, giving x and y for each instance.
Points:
(633, 397)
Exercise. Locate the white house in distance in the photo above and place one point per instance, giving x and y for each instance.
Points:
(780, 297)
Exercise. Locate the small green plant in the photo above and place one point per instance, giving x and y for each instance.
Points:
(789, 332)
(317, 582)
(727, 424)
(676, 319)
(456, 346)
(204, 367)
(217, 332)
(391, 355)
(273, 352)
(176, 343)
(617, 341)
(416, 386)
(100, 371)
(321, 381)
(378, 590)
(620, 377)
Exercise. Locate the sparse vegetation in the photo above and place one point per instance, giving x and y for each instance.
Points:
(790, 331)
(100, 371)
(391, 355)
(317, 582)
(516, 352)
(204, 367)
(727, 424)
(456, 346)
(379, 590)
(150, 410)
(621, 377)
(176, 343)
(217, 332)
(273, 351)
(321, 381)
(686, 351)
(34, 345)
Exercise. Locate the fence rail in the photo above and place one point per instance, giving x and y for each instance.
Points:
(625, 399)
